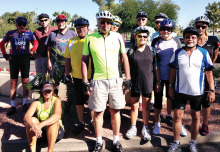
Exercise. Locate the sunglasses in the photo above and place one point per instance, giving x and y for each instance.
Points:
(200, 26)
(43, 20)
(22, 24)
(115, 24)
(192, 37)
(166, 29)
(140, 36)
(103, 22)
(141, 19)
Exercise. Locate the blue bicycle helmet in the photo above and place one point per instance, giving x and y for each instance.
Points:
(141, 14)
(167, 23)
(160, 16)
(192, 30)
(81, 21)
(21, 19)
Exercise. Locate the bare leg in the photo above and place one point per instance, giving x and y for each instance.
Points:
(32, 139)
(80, 112)
(52, 133)
(134, 109)
(13, 88)
(206, 114)
(115, 121)
(157, 114)
(145, 110)
(195, 124)
(25, 90)
(98, 123)
(178, 115)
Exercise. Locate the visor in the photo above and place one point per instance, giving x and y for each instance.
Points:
(47, 87)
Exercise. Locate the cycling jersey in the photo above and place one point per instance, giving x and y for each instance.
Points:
(74, 51)
(104, 53)
(211, 45)
(20, 43)
(190, 70)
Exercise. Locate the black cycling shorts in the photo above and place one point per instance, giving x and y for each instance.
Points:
(19, 62)
(158, 97)
(79, 96)
(135, 94)
(180, 101)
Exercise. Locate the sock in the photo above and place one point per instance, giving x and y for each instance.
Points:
(133, 126)
(146, 127)
(169, 116)
(192, 141)
(82, 122)
(91, 121)
(25, 100)
(177, 142)
(99, 140)
(13, 103)
(115, 139)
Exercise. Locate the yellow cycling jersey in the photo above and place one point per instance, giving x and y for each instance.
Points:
(74, 51)
(104, 53)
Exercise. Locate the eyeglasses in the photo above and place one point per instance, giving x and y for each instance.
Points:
(192, 37)
(166, 29)
(115, 24)
(103, 22)
(141, 36)
(158, 22)
(43, 20)
(141, 19)
(22, 24)
(198, 27)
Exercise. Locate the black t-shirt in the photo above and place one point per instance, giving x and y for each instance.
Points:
(141, 69)
(211, 45)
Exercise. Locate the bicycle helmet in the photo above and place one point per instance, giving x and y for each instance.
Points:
(167, 23)
(104, 14)
(202, 19)
(141, 14)
(43, 15)
(117, 19)
(192, 30)
(160, 16)
(61, 18)
(21, 19)
(141, 29)
(81, 21)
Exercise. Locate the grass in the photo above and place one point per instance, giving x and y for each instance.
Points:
(216, 74)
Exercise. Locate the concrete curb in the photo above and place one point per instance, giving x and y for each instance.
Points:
(87, 144)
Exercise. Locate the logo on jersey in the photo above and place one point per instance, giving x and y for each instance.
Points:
(20, 43)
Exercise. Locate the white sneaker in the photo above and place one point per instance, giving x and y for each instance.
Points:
(131, 132)
(174, 147)
(156, 130)
(183, 131)
(146, 133)
(193, 147)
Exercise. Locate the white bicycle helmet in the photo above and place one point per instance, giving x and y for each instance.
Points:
(117, 19)
(202, 19)
(104, 14)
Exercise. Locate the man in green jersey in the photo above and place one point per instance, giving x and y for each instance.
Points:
(105, 48)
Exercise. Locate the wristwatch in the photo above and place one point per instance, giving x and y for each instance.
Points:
(212, 90)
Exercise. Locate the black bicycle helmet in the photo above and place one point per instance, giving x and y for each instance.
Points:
(167, 23)
(192, 30)
(81, 21)
(141, 29)
(47, 81)
(161, 16)
(43, 15)
(141, 14)
(21, 19)
(202, 19)
(61, 18)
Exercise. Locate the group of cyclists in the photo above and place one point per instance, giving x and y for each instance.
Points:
(95, 64)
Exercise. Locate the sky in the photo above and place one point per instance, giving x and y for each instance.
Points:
(189, 9)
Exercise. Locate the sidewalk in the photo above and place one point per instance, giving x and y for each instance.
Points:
(13, 137)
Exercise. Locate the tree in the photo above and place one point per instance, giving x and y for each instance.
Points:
(191, 23)
(213, 13)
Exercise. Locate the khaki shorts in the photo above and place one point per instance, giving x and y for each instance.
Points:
(106, 90)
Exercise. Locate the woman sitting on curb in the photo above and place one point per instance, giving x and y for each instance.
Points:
(47, 127)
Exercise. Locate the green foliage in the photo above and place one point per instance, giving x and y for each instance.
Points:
(213, 13)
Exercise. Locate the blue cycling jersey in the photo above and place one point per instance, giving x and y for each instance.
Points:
(20, 43)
